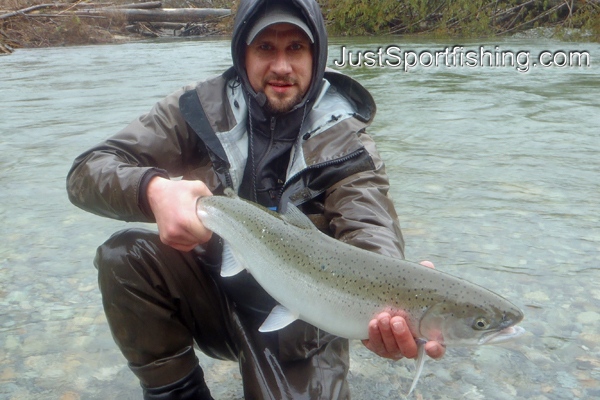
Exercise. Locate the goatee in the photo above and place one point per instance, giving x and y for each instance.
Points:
(280, 106)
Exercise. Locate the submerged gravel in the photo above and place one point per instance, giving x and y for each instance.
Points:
(494, 175)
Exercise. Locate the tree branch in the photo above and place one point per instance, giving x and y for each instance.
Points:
(25, 10)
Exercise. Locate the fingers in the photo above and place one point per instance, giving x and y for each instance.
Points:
(195, 228)
(174, 206)
(403, 337)
(435, 350)
(390, 337)
(389, 328)
(198, 189)
(375, 342)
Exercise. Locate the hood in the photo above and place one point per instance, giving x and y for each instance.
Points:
(248, 11)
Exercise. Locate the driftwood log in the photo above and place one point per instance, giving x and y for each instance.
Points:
(152, 14)
(146, 5)
(159, 15)
(58, 6)
(168, 25)
(5, 49)
(147, 18)
(25, 10)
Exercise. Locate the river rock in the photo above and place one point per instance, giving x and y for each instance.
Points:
(70, 396)
(589, 339)
(11, 342)
(17, 296)
(588, 317)
(538, 296)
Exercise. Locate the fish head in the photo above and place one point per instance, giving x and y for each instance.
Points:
(467, 323)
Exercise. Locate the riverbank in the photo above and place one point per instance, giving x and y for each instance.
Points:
(72, 22)
(37, 23)
(463, 18)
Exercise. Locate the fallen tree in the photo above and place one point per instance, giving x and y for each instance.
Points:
(69, 6)
(146, 5)
(25, 10)
(51, 24)
(159, 15)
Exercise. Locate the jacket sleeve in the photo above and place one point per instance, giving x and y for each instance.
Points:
(360, 211)
(111, 178)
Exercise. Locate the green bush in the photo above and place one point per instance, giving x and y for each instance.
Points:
(457, 17)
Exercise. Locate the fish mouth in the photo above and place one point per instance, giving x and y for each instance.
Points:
(502, 335)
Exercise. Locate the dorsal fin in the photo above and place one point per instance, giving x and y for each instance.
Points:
(294, 216)
(229, 193)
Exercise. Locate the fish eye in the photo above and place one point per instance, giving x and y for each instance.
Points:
(481, 323)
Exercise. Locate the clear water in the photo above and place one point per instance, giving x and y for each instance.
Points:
(495, 175)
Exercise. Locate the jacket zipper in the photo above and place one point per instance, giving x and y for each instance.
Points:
(224, 170)
(228, 180)
(271, 139)
(321, 165)
(272, 124)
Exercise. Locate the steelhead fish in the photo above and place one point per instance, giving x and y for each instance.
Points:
(339, 288)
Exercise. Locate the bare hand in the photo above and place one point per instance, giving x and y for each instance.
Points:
(390, 337)
(174, 206)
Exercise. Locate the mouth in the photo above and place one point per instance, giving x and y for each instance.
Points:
(279, 86)
(502, 335)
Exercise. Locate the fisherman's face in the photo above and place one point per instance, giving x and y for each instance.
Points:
(279, 63)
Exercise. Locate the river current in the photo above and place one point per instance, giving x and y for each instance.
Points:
(495, 175)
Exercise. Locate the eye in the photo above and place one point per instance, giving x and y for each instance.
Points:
(481, 323)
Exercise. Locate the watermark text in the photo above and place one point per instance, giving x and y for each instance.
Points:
(458, 56)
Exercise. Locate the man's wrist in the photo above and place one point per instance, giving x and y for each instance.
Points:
(143, 196)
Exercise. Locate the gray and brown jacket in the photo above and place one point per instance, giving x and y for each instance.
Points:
(202, 132)
(335, 173)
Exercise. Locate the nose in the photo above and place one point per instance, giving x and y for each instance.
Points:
(281, 64)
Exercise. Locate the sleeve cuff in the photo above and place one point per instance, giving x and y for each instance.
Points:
(143, 203)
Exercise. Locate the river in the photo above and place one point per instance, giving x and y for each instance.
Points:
(495, 175)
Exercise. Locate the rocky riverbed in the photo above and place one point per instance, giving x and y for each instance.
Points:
(493, 174)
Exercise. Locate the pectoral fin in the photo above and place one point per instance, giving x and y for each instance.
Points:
(232, 264)
(419, 364)
(280, 317)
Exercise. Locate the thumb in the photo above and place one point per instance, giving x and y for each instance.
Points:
(199, 189)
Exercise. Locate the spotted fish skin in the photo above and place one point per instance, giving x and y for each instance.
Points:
(339, 288)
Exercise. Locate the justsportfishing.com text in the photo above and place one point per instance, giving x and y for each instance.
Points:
(458, 56)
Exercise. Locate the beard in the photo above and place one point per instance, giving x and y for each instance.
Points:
(281, 103)
(282, 106)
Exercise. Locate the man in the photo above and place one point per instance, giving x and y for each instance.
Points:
(276, 128)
